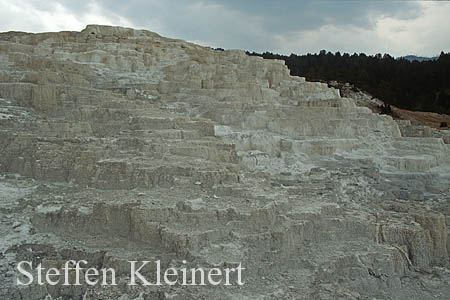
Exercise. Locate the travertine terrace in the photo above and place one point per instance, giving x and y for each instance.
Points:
(119, 144)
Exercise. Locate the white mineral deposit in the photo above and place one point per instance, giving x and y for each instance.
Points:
(119, 145)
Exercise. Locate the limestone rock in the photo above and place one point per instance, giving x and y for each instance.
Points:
(119, 144)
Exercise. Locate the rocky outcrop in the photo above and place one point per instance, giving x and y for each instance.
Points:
(119, 144)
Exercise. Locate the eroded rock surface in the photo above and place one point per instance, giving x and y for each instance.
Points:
(119, 144)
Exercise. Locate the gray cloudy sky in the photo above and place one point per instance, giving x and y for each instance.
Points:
(395, 27)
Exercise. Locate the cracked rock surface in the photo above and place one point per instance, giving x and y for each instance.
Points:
(119, 144)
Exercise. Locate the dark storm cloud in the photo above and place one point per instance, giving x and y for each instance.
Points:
(279, 16)
(292, 15)
(197, 20)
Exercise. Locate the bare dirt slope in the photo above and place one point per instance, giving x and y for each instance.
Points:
(430, 119)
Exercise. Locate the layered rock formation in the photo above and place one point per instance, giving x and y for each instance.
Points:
(119, 144)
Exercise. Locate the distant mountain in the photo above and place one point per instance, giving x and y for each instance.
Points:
(418, 58)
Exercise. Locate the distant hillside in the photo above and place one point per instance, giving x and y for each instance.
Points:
(418, 58)
(414, 85)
